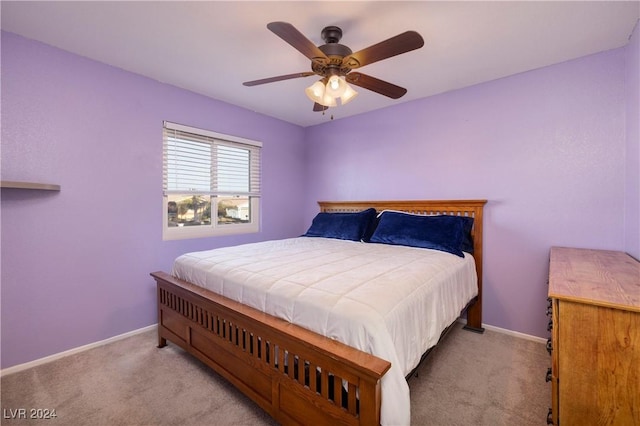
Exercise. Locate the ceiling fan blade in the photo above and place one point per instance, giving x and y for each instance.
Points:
(376, 85)
(401, 43)
(295, 38)
(278, 78)
(317, 107)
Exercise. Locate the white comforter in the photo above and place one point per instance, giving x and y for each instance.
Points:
(390, 301)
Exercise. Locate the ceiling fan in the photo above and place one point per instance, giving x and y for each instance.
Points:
(334, 62)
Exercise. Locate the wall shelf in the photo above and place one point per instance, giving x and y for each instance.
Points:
(29, 185)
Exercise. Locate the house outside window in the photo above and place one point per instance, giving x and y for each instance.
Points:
(211, 183)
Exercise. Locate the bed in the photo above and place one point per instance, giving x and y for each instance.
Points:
(296, 370)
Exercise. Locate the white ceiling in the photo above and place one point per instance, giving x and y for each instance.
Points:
(212, 47)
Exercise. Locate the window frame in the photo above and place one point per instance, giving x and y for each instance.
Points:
(214, 229)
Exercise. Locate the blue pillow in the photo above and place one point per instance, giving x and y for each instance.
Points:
(442, 232)
(344, 226)
(371, 228)
(467, 240)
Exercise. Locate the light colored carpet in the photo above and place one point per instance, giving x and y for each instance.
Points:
(469, 379)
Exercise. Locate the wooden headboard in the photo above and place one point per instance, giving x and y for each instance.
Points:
(471, 208)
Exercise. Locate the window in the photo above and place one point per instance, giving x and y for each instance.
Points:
(211, 183)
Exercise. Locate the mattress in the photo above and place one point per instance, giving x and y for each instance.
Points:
(390, 301)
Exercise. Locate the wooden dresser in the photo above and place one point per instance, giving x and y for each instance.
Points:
(595, 337)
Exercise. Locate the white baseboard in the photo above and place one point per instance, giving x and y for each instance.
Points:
(510, 332)
(30, 364)
(515, 334)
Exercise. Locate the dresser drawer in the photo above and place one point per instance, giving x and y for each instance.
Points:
(598, 360)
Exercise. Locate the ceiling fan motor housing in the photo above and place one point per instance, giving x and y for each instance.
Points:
(334, 51)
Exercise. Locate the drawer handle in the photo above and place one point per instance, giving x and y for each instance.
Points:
(548, 378)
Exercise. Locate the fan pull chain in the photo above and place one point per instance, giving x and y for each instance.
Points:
(325, 110)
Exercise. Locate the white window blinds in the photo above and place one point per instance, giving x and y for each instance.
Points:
(203, 162)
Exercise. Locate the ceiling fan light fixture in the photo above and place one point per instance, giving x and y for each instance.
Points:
(328, 100)
(318, 93)
(336, 86)
(348, 95)
(327, 92)
(315, 92)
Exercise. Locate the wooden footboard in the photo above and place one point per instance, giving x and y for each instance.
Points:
(297, 376)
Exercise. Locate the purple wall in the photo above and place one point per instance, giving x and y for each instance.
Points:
(546, 148)
(75, 264)
(632, 190)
